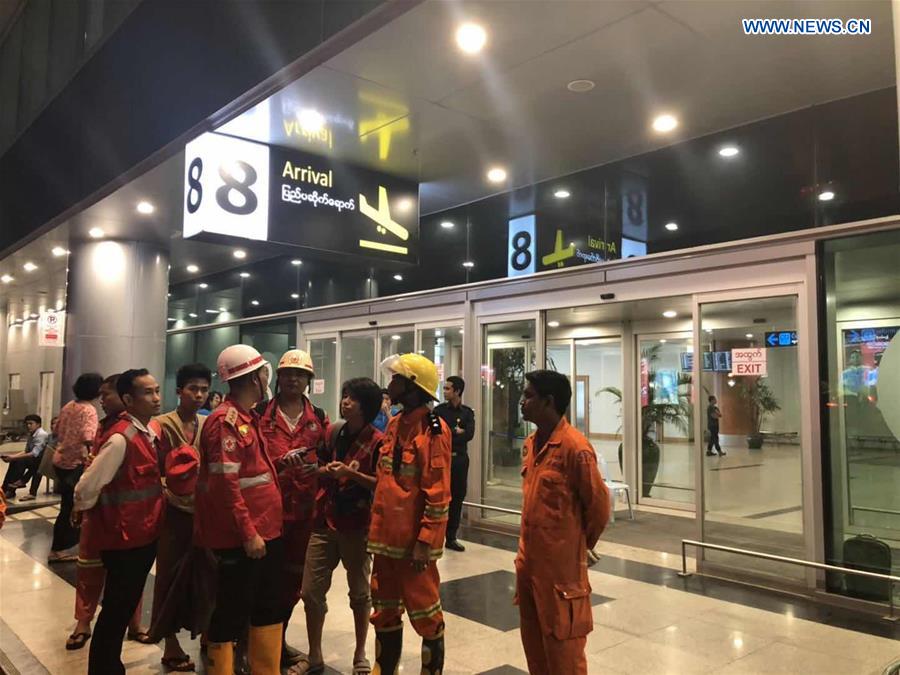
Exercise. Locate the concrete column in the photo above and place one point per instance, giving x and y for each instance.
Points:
(4, 359)
(116, 309)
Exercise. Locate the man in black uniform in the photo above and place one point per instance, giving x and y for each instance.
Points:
(713, 415)
(461, 420)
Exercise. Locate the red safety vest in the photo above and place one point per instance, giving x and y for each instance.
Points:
(129, 511)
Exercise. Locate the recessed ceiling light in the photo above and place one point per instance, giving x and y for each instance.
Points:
(468, 263)
(146, 208)
(749, 336)
(471, 38)
(212, 311)
(193, 269)
(663, 341)
(296, 262)
(58, 251)
(245, 275)
(728, 151)
(311, 121)
(255, 303)
(29, 266)
(672, 226)
(826, 196)
(192, 315)
(96, 233)
(171, 319)
(496, 174)
(239, 253)
(295, 295)
(581, 86)
(664, 123)
(438, 332)
(447, 224)
(204, 285)
(7, 278)
(398, 277)
(223, 309)
(562, 194)
(670, 314)
(405, 204)
(553, 324)
(395, 337)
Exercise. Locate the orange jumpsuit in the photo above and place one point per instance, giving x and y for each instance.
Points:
(410, 504)
(565, 507)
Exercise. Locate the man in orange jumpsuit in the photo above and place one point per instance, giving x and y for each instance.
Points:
(409, 517)
(237, 514)
(291, 422)
(565, 507)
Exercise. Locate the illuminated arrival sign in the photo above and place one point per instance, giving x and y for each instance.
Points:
(238, 188)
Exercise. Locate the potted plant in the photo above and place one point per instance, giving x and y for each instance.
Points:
(654, 416)
(760, 402)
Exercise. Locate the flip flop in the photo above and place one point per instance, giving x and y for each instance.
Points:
(141, 636)
(362, 667)
(304, 667)
(77, 641)
(179, 664)
(69, 557)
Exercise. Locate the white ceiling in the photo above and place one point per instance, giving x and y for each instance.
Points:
(405, 100)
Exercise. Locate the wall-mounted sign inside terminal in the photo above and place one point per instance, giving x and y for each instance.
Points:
(781, 338)
(238, 188)
(749, 362)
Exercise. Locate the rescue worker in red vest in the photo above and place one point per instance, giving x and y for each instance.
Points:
(122, 490)
(290, 422)
(565, 506)
(237, 514)
(409, 517)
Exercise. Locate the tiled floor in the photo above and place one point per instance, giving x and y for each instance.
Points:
(647, 619)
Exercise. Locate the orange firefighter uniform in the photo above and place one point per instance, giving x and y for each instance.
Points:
(411, 503)
(298, 487)
(565, 507)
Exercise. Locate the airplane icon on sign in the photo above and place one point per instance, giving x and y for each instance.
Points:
(384, 223)
(559, 254)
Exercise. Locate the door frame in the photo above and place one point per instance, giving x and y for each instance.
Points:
(807, 383)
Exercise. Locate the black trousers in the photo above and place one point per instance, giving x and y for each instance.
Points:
(64, 535)
(32, 474)
(713, 440)
(459, 483)
(15, 472)
(247, 591)
(126, 574)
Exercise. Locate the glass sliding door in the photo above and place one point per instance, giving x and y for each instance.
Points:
(357, 355)
(323, 390)
(666, 429)
(508, 351)
(444, 347)
(751, 447)
(597, 399)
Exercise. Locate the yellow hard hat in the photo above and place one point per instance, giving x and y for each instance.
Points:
(416, 368)
(297, 358)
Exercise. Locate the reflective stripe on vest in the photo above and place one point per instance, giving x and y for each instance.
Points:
(114, 498)
(224, 467)
(253, 481)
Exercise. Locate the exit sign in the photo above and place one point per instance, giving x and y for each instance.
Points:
(749, 362)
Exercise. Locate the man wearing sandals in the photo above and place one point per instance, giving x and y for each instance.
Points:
(122, 488)
(343, 508)
(409, 517)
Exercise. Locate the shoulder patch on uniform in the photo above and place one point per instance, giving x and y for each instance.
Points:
(244, 429)
(434, 423)
(231, 417)
(585, 457)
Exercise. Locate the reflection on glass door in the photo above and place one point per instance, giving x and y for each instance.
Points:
(444, 347)
(323, 389)
(357, 356)
(666, 416)
(749, 367)
(597, 405)
(393, 341)
(509, 352)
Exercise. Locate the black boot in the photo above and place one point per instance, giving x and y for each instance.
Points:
(388, 645)
(433, 656)
(289, 655)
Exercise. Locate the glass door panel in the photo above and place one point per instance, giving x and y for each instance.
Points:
(444, 347)
(509, 352)
(751, 447)
(666, 420)
(597, 404)
(323, 390)
(357, 356)
(393, 341)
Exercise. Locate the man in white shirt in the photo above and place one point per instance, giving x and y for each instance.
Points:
(123, 490)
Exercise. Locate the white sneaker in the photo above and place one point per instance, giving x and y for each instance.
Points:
(26, 498)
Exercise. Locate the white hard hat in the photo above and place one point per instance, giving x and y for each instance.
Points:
(238, 360)
(297, 358)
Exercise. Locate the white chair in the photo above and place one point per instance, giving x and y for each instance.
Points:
(615, 487)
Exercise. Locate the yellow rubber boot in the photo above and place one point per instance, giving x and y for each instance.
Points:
(265, 649)
(220, 658)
